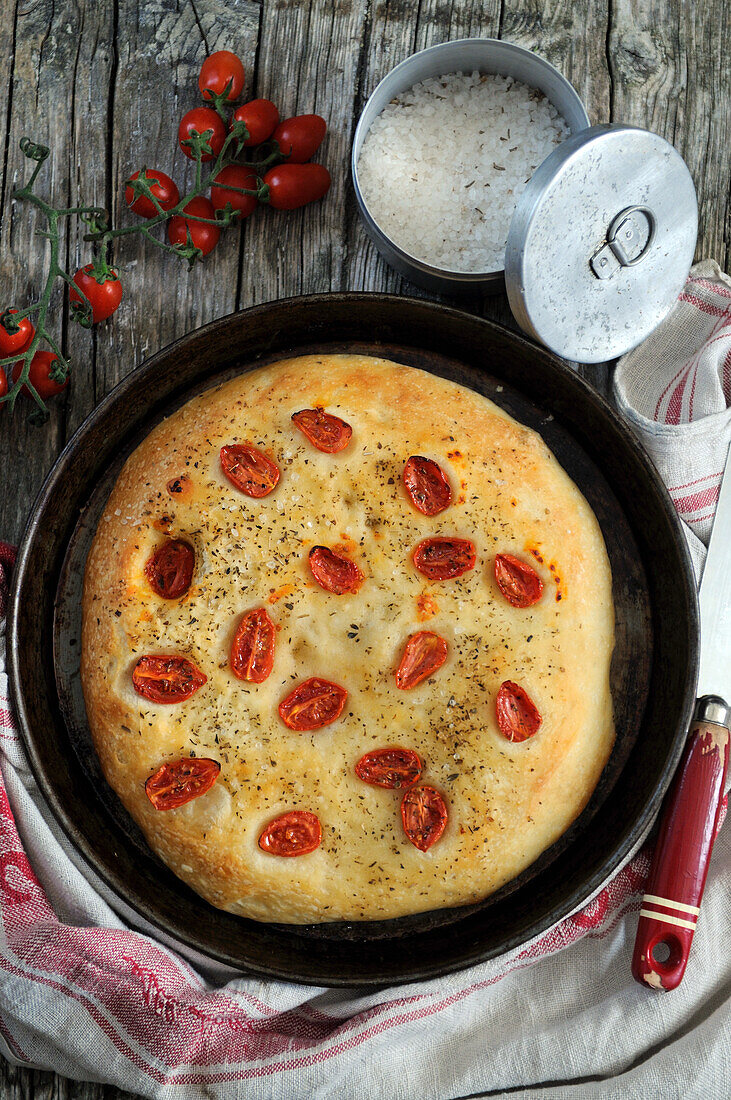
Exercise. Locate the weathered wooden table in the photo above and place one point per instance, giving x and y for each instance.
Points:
(104, 83)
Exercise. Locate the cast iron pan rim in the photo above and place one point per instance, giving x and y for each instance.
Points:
(631, 835)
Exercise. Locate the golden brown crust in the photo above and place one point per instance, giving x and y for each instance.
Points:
(507, 802)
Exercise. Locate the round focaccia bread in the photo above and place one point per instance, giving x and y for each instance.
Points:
(505, 800)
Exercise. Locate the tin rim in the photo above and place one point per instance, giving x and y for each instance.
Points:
(374, 230)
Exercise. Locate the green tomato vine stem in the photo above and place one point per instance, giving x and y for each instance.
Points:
(102, 237)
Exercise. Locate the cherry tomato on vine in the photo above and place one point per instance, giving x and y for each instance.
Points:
(300, 137)
(104, 293)
(15, 343)
(204, 120)
(234, 176)
(39, 376)
(3, 383)
(164, 189)
(261, 118)
(218, 70)
(294, 185)
(204, 236)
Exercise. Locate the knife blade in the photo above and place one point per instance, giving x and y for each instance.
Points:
(715, 601)
(689, 820)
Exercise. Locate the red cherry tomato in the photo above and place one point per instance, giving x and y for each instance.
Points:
(424, 654)
(165, 191)
(440, 559)
(170, 569)
(333, 572)
(204, 120)
(300, 137)
(424, 814)
(165, 679)
(221, 189)
(389, 768)
(326, 432)
(217, 71)
(261, 118)
(249, 469)
(517, 714)
(16, 343)
(313, 704)
(39, 377)
(294, 185)
(293, 834)
(519, 583)
(3, 383)
(427, 485)
(252, 650)
(104, 294)
(180, 781)
(203, 235)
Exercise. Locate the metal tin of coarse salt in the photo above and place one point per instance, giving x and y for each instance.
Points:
(484, 55)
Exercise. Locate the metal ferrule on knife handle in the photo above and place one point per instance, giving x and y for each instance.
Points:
(688, 829)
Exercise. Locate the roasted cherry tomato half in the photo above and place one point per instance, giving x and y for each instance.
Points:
(300, 137)
(293, 834)
(427, 485)
(170, 569)
(424, 814)
(261, 118)
(333, 572)
(519, 583)
(249, 469)
(104, 294)
(15, 343)
(252, 650)
(424, 654)
(41, 367)
(180, 781)
(204, 235)
(326, 432)
(294, 185)
(218, 71)
(440, 559)
(162, 678)
(517, 714)
(205, 121)
(164, 189)
(222, 189)
(313, 704)
(389, 768)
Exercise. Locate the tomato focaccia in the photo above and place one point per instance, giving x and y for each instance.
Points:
(346, 643)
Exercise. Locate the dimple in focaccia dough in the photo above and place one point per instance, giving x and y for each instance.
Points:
(507, 802)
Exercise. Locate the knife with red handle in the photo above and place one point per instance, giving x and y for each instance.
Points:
(689, 821)
(688, 828)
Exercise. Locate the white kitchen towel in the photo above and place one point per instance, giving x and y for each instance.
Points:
(86, 994)
(675, 391)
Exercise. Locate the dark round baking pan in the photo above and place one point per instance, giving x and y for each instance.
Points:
(654, 668)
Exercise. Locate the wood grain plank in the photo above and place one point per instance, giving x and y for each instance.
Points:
(308, 62)
(671, 68)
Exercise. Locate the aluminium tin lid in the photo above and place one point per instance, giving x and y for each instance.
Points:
(601, 242)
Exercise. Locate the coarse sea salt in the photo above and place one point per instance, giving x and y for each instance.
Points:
(443, 165)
